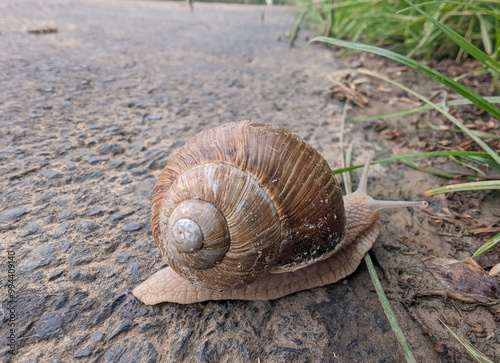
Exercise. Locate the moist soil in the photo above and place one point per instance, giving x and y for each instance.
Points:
(95, 98)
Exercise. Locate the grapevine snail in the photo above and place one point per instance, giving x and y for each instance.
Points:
(250, 211)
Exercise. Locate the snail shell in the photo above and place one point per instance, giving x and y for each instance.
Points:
(243, 200)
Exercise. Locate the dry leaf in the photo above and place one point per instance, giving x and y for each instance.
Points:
(464, 280)
(438, 207)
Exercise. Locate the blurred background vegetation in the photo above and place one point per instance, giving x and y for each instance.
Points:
(393, 25)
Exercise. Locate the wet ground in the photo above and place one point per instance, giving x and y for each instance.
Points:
(90, 115)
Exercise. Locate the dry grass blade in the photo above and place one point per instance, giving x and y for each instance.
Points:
(474, 353)
(349, 93)
(481, 185)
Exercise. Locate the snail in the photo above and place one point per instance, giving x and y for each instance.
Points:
(250, 211)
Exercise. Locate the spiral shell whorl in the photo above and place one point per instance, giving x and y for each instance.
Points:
(234, 215)
(194, 224)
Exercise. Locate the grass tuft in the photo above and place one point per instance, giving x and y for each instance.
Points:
(410, 27)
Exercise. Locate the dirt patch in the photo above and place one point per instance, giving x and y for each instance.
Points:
(91, 114)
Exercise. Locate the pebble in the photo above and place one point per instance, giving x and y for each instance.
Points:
(122, 257)
(44, 197)
(138, 146)
(115, 130)
(132, 165)
(79, 275)
(70, 165)
(151, 153)
(31, 228)
(181, 342)
(85, 352)
(59, 302)
(92, 160)
(113, 353)
(137, 171)
(150, 164)
(178, 110)
(12, 214)
(355, 64)
(65, 244)
(116, 162)
(120, 215)
(80, 256)
(87, 226)
(40, 258)
(110, 149)
(94, 212)
(109, 308)
(121, 329)
(134, 268)
(64, 215)
(49, 326)
(56, 274)
(125, 180)
(61, 229)
(132, 227)
(96, 337)
(154, 117)
(39, 209)
(51, 174)
(34, 114)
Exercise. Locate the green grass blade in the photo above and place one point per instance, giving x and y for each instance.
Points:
(497, 42)
(485, 36)
(391, 114)
(477, 156)
(458, 102)
(388, 310)
(487, 245)
(469, 166)
(485, 135)
(457, 87)
(437, 172)
(486, 161)
(460, 41)
(481, 185)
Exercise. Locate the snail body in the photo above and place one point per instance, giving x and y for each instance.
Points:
(251, 211)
